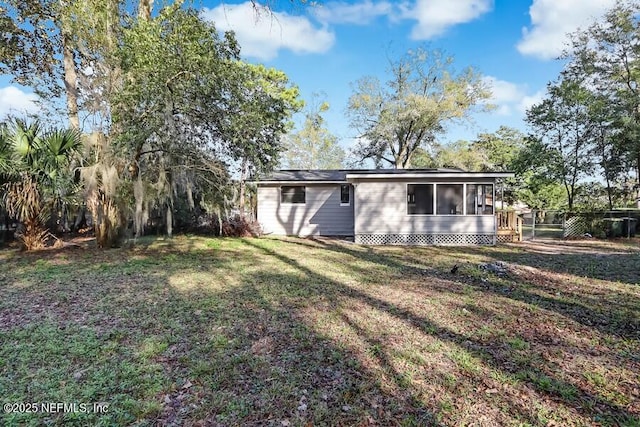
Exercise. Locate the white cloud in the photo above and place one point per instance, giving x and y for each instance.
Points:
(551, 20)
(530, 100)
(15, 101)
(504, 91)
(263, 36)
(351, 13)
(436, 16)
(511, 97)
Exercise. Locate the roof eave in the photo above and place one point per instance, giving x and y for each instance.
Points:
(297, 182)
(356, 176)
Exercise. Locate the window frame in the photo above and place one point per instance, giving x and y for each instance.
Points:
(435, 197)
(348, 203)
(406, 198)
(304, 193)
(493, 198)
(435, 191)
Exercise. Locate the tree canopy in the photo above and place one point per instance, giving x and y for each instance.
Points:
(564, 128)
(423, 95)
(171, 114)
(587, 125)
(604, 60)
(313, 146)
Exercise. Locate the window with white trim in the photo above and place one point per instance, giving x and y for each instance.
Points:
(449, 199)
(420, 199)
(293, 194)
(479, 199)
(345, 194)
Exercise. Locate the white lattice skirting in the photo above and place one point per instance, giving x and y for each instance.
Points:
(506, 238)
(425, 239)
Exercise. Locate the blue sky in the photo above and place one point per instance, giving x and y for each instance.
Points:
(325, 47)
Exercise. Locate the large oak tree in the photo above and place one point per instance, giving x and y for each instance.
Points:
(423, 95)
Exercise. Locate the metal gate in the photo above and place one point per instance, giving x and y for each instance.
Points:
(538, 224)
(541, 225)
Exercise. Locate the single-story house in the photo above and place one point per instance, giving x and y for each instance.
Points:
(381, 206)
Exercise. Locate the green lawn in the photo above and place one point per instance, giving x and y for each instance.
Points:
(198, 331)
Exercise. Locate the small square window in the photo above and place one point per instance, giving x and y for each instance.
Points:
(345, 194)
(292, 194)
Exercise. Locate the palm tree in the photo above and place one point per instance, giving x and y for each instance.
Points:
(60, 146)
(5, 152)
(39, 179)
(5, 170)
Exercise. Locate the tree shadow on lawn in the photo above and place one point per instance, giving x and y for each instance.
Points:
(594, 261)
(614, 262)
(537, 371)
(164, 348)
(605, 308)
(565, 283)
(229, 331)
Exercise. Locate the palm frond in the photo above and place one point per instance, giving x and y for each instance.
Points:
(23, 201)
(25, 138)
(6, 161)
(57, 148)
(61, 142)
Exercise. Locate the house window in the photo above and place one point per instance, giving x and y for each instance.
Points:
(291, 194)
(479, 199)
(449, 199)
(420, 199)
(345, 194)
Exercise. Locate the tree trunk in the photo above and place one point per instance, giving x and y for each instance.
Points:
(169, 218)
(569, 190)
(108, 221)
(70, 80)
(609, 197)
(80, 219)
(65, 218)
(139, 215)
(144, 9)
(7, 224)
(169, 202)
(638, 181)
(190, 201)
(243, 184)
(605, 167)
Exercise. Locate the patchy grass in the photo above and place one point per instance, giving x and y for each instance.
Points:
(195, 331)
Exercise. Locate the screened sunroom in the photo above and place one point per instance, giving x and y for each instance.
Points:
(425, 207)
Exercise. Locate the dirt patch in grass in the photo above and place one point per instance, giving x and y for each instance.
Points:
(196, 331)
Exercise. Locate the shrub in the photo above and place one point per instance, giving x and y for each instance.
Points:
(239, 226)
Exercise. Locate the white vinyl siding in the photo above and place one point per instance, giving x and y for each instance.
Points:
(321, 214)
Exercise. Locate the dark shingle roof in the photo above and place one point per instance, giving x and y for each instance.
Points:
(305, 175)
(341, 174)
